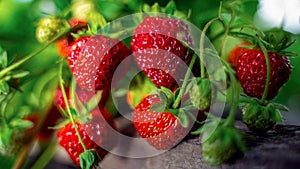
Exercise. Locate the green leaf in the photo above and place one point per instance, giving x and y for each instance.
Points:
(277, 116)
(158, 107)
(204, 87)
(61, 124)
(20, 124)
(189, 107)
(20, 73)
(73, 112)
(3, 58)
(183, 118)
(61, 5)
(88, 159)
(5, 136)
(197, 131)
(171, 7)
(280, 107)
(93, 102)
(167, 94)
(4, 88)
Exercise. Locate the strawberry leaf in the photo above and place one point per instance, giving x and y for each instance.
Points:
(60, 125)
(3, 58)
(19, 74)
(183, 118)
(4, 88)
(5, 136)
(88, 159)
(197, 131)
(158, 107)
(170, 8)
(280, 107)
(166, 95)
(20, 124)
(276, 116)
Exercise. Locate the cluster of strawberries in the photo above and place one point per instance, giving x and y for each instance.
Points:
(93, 60)
(158, 50)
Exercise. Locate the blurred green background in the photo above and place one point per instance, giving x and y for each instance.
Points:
(18, 19)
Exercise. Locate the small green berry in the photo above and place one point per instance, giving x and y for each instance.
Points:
(49, 27)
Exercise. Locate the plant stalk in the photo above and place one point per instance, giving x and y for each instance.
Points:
(3, 72)
(61, 83)
(187, 75)
(268, 78)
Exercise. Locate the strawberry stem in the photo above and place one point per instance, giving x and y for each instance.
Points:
(185, 81)
(264, 50)
(234, 96)
(227, 32)
(201, 49)
(61, 83)
(3, 72)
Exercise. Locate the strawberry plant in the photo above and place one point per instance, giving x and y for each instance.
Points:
(65, 80)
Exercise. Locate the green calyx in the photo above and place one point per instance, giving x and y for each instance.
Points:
(221, 142)
(200, 93)
(49, 27)
(169, 9)
(276, 40)
(261, 118)
(88, 159)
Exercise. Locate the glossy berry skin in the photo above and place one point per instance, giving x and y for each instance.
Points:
(74, 50)
(62, 44)
(252, 72)
(94, 134)
(98, 61)
(158, 51)
(236, 52)
(162, 130)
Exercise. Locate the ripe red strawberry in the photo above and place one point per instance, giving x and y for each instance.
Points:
(158, 51)
(236, 52)
(162, 130)
(74, 50)
(252, 72)
(98, 61)
(95, 135)
(63, 43)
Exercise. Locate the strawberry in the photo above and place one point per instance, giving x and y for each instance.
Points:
(236, 52)
(252, 72)
(49, 27)
(74, 51)
(97, 62)
(158, 50)
(261, 118)
(62, 44)
(200, 93)
(162, 130)
(95, 135)
(221, 142)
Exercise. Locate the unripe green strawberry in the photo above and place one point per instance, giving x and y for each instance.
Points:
(81, 9)
(200, 94)
(220, 142)
(260, 119)
(49, 27)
